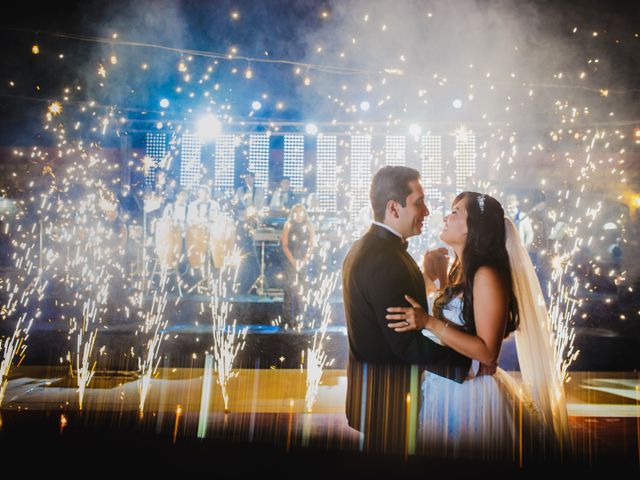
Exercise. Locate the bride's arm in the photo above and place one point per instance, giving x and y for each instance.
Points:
(428, 283)
(435, 266)
(490, 312)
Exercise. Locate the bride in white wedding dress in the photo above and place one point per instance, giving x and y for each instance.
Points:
(490, 291)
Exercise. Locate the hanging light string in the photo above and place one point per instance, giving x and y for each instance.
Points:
(330, 69)
(209, 54)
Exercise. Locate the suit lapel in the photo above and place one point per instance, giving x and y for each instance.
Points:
(396, 243)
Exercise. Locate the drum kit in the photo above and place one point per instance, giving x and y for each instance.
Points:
(209, 244)
(168, 243)
(222, 238)
(203, 241)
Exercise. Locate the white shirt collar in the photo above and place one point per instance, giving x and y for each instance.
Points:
(392, 230)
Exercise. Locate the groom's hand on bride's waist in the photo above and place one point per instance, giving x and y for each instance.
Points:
(487, 369)
(406, 319)
(482, 371)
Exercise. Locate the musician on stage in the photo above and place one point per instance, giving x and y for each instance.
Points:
(203, 209)
(521, 220)
(113, 218)
(129, 207)
(313, 205)
(247, 202)
(156, 199)
(177, 211)
(283, 198)
(249, 199)
(297, 244)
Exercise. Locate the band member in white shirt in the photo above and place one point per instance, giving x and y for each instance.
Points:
(177, 211)
(203, 209)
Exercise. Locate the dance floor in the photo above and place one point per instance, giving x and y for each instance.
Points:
(267, 408)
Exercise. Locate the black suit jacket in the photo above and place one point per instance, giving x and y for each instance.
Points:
(376, 274)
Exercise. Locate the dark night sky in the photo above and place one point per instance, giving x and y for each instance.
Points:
(280, 27)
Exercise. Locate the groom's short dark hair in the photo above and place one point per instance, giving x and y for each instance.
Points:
(390, 183)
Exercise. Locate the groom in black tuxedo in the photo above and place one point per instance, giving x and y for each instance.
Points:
(385, 365)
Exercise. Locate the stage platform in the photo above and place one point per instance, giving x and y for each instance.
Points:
(269, 344)
(267, 411)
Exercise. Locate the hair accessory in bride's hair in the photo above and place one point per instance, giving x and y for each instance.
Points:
(481, 202)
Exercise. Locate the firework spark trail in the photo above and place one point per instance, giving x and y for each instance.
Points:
(227, 339)
(85, 344)
(316, 361)
(154, 323)
(13, 301)
(317, 297)
(81, 253)
(315, 294)
(573, 231)
(562, 308)
(19, 297)
(563, 287)
(10, 347)
(83, 259)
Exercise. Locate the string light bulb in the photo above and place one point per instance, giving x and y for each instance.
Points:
(55, 108)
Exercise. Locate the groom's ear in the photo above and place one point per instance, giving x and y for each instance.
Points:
(392, 208)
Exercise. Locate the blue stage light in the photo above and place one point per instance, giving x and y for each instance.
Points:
(294, 160)
(415, 130)
(164, 103)
(395, 149)
(326, 172)
(208, 127)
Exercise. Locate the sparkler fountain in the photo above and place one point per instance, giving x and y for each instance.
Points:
(10, 347)
(317, 296)
(86, 340)
(153, 328)
(227, 340)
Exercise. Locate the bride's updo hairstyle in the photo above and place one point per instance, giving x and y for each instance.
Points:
(485, 246)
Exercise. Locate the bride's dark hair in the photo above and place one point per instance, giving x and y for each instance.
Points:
(485, 246)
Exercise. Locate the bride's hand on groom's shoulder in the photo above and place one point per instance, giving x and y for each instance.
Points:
(436, 264)
(407, 319)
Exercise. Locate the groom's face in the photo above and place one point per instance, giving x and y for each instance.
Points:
(411, 216)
